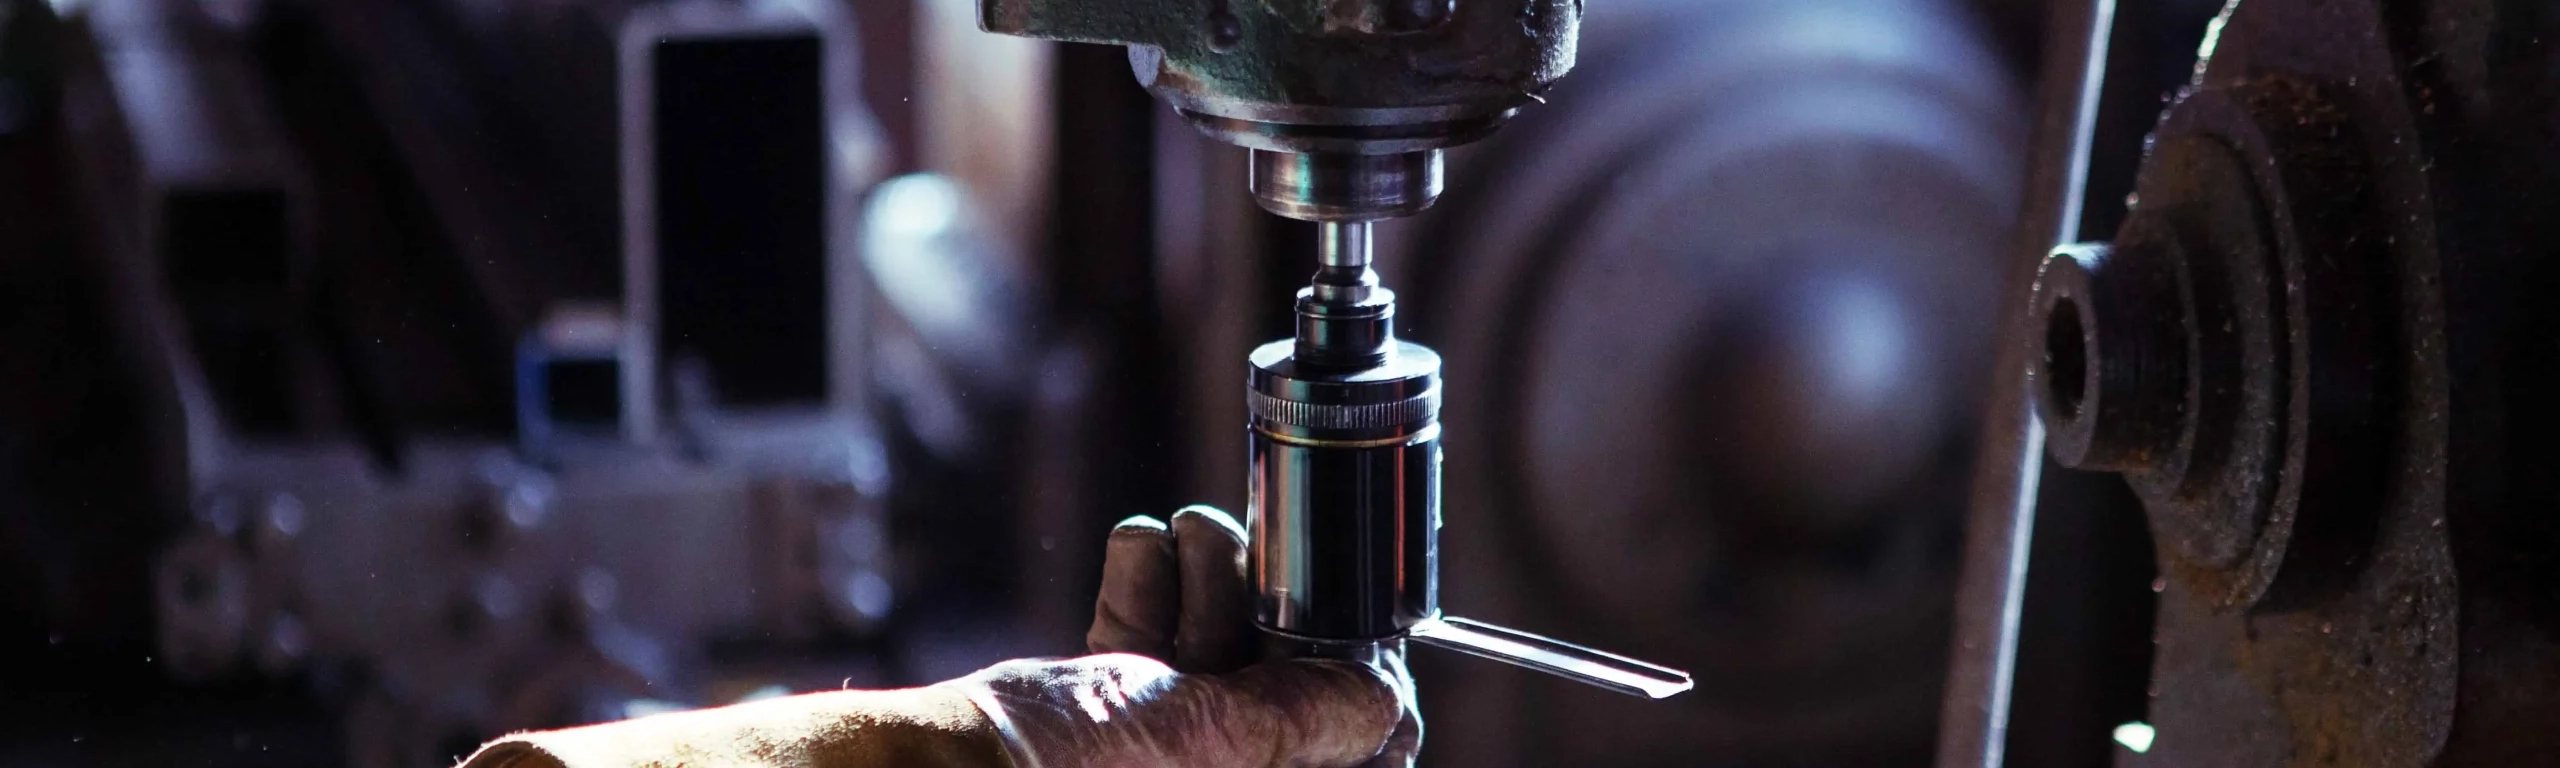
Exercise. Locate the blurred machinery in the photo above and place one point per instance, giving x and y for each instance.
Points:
(383, 375)
(376, 376)
(1811, 604)
(2314, 351)
(1346, 109)
(431, 401)
(1718, 319)
(469, 401)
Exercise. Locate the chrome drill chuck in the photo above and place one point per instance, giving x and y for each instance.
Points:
(1344, 502)
(1347, 105)
(1345, 510)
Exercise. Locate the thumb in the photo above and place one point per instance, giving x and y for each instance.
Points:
(1315, 713)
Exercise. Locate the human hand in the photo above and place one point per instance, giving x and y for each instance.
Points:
(1175, 682)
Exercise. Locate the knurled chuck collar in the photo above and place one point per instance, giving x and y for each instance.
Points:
(1394, 400)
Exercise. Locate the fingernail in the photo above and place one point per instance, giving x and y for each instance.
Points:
(1139, 523)
(1213, 514)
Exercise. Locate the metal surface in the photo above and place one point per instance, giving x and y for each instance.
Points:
(2313, 349)
(1347, 334)
(1344, 501)
(1343, 274)
(1346, 103)
(1338, 187)
(1554, 657)
(1345, 505)
(1974, 718)
(1344, 245)
(1344, 318)
(1335, 76)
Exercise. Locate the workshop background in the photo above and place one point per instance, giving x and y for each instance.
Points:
(380, 376)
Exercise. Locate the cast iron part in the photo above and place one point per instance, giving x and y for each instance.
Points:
(1344, 506)
(1347, 103)
(2222, 352)
(2317, 349)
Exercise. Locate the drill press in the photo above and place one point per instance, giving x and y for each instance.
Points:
(1347, 106)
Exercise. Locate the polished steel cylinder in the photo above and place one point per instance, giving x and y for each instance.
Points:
(1346, 335)
(1344, 187)
(1344, 502)
(1343, 251)
(1343, 244)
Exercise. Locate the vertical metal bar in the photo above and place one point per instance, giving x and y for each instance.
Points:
(1973, 720)
(1343, 244)
(1343, 252)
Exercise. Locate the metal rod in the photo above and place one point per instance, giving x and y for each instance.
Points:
(1343, 244)
(1554, 657)
(1343, 250)
(1973, 721)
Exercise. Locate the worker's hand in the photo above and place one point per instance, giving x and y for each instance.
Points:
(1175, 684)
(1172, 684)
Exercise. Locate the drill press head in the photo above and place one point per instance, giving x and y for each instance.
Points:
(1346, 104)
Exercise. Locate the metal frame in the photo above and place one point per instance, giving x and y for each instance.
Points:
(1974, 718)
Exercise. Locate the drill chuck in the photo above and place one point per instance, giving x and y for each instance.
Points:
(1344, 502)
(1345, 495)
(1346, 106)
